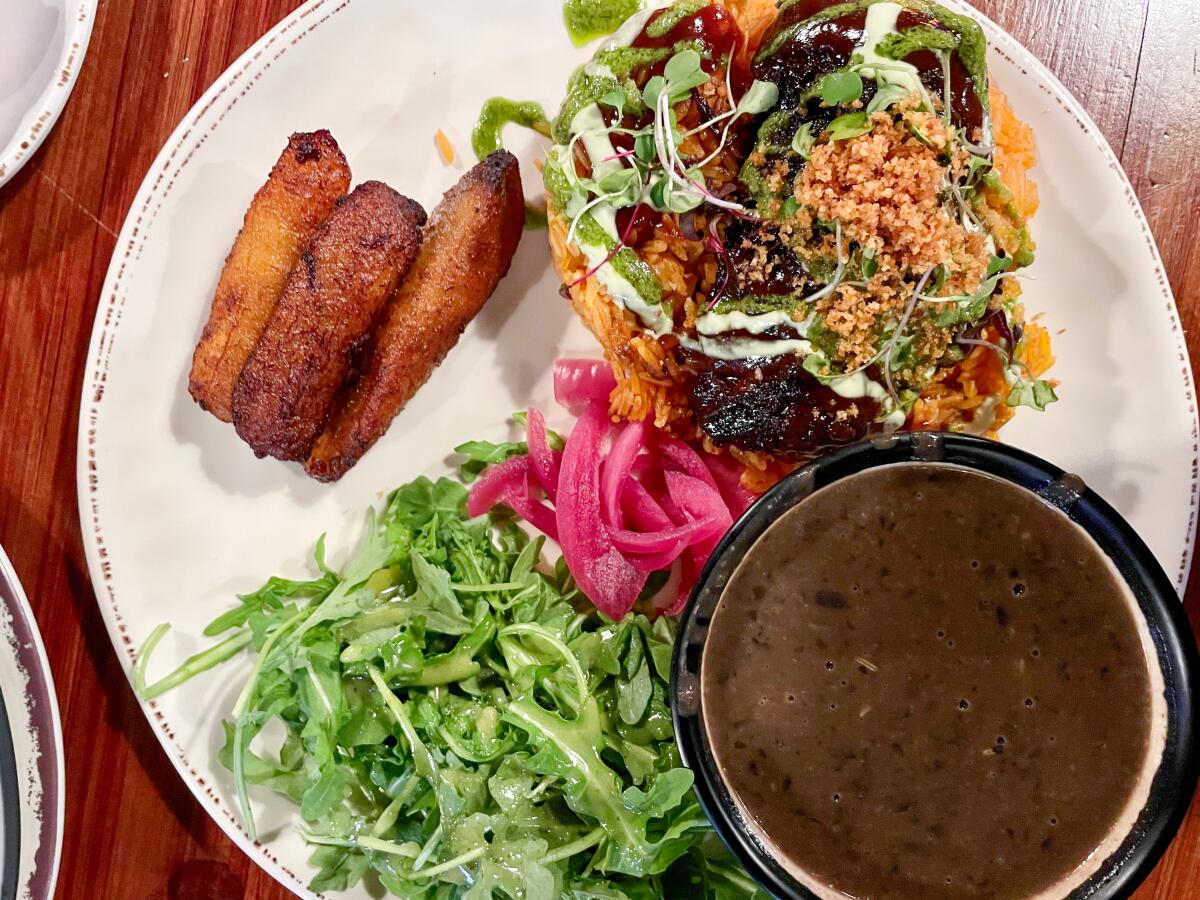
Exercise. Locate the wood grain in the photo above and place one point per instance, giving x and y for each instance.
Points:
(133, 830)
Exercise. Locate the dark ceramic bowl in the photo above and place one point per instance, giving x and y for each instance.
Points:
(1175, 781)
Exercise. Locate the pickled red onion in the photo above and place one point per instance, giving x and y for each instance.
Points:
(627, 500)
(541, 458)
(509, 483)
(578, 381)
(614, 471)
(603, 574)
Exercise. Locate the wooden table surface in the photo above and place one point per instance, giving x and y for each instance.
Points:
(132, 829)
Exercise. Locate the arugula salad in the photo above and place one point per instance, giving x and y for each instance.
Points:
(459, 722)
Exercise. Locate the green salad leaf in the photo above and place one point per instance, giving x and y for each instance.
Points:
(458, 723)
(1036, 393)
(481, 454)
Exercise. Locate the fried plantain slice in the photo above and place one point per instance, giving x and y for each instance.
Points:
(305, 183)
(330, 305)
(467, 248)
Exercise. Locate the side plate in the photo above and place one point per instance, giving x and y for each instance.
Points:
(31, 752)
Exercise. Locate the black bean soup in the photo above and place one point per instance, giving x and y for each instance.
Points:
(924, 682)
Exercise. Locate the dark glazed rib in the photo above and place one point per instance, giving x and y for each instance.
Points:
(774, 406)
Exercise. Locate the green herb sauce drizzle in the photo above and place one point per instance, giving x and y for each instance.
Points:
(486, 137)
(500, 111)
(673, 15)
(587, 20)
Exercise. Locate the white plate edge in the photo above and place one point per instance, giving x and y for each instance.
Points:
(51, 102)
(1059, 92)
(125, 646)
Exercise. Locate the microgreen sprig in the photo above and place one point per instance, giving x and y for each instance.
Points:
(654, 172)
(875, 67)
(816, 362)
(889, 348)
(1024, 388)
(944, 57)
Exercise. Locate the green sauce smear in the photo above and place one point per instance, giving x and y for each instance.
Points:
(822, 337)
(684, 9)
(500, 111)
(621, 61)
(759, 304)
(486, 137)
(921, 37)
(626, 262)
(535, 218)
(587, 20)
(583, 90)
(557, 186)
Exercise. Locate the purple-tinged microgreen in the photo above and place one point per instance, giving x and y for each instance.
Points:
(621, 154)
(714, 244)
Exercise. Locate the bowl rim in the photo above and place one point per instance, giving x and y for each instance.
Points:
(1175, 780)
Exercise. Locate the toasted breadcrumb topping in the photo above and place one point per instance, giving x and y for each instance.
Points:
(885, 188)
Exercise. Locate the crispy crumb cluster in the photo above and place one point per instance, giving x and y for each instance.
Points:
(885, 188)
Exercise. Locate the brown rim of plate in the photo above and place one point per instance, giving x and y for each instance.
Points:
(42, 704)
(40, 119)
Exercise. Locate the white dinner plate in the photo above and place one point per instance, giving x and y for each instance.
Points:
(42, 44)
(32, 784)
(177, 513)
